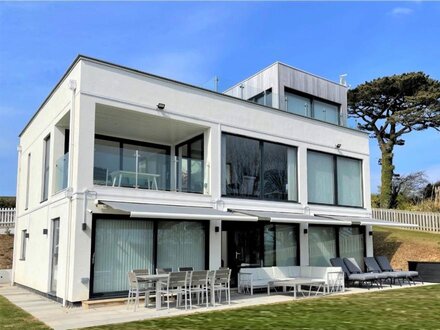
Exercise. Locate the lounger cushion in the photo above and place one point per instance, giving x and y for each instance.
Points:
(362, 277)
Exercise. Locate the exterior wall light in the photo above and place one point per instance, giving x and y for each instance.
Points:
(338, 146)
(370, 233)
(161, 106)
(305, 231)
(45, 231)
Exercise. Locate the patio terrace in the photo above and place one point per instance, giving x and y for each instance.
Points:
(57, 317)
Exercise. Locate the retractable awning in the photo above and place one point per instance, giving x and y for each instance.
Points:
(155, 211)
(293, 217)
(370, 221)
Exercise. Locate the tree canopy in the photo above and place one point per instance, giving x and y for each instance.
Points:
(391, 107)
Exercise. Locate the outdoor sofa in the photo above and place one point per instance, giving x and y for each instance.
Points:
(250, 279)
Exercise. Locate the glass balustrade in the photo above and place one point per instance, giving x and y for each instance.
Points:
(141, 169)
(61, 172)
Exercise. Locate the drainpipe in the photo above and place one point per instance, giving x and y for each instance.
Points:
(72, 87)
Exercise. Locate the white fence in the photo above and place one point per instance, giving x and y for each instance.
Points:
(427, 221)
(7, 218)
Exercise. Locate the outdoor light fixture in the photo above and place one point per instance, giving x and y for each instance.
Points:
(370, 233)
(26, 235)
(83, 226)
(161, 106)
(217, 229)
(305, 231)
(338, 146)
(45, 231)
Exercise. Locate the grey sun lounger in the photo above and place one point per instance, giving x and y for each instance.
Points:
(385, 266)
(373, 266)
(350, 277)
(354, 268)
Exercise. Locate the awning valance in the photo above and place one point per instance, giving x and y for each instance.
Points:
(370, 221)
(156, 211)
(293, 217)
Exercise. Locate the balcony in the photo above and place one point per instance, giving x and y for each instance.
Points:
(142, 167)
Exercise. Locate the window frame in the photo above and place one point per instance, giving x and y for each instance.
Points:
(312, 99)
(263, 94)
(110, 217)
(335, 178)
(23, 243)
(261, 183)
(337, 229)
(45, 193)
(28, 180)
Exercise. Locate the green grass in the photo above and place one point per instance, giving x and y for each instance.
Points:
(411, 308)
(13, 317)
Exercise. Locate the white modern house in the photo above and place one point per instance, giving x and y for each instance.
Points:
(120, 169)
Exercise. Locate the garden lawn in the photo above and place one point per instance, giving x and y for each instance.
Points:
(13, 317)
(410, 308)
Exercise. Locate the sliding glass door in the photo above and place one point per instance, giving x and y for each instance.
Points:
(326, 242)
(121, 244)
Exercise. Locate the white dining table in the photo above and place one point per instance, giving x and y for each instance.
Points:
(155, 278)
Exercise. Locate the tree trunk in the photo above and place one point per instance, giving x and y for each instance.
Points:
(386, 191)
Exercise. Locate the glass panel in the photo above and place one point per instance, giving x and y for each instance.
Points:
(320, 178)
(322, 245)
(286, 245)
(242, 166)
(190, 167)
(352, 244)
(181, 244)
(269, 245)
(349, 181)
(107, 161)
(264, 98)
(55, 251)
(121, 246)
(279, 172)
(326, 112)
(61, 172)
(298, 104)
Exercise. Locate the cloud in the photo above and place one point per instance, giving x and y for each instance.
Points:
(401, 11)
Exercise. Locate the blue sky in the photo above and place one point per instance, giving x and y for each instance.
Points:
(193, 42)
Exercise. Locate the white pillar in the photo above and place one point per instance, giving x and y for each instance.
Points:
(369, 241)
(304, 244)
(215, 244)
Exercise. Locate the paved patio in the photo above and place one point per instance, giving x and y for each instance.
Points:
(57, 317)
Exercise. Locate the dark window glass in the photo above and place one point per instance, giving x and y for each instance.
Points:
(242, 167)
(190, 166)
(280, 245)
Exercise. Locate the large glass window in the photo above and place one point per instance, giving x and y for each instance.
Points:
(326, 112)
(349, 181)
(280, 244)
(334, 180)
(258, 169)
(190, 165)
(124, 163)
(352, 243)
(322, 245)
(181, 244)
(264, 98)
(298, 104)
(320, 178)
(242, 161)
(46, 168)
(326, 242)
(121, 245)
(309, 106)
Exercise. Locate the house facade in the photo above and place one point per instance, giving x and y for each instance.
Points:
(121, 170)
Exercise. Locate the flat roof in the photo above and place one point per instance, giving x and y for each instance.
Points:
(121, 67)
